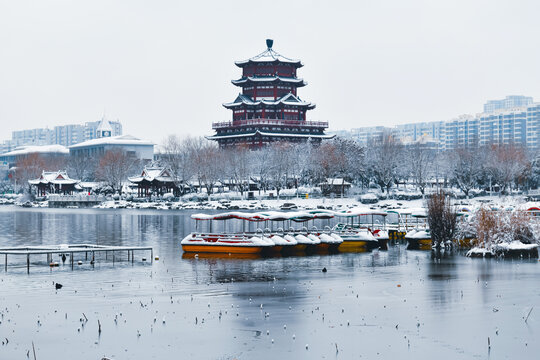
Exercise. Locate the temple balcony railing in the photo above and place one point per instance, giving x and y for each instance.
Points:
(269, 122)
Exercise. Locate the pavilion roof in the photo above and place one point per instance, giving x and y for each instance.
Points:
(269, 79)
(289, 99)
(151, 174)
(269, 56)
(54, 177)
(270, 134)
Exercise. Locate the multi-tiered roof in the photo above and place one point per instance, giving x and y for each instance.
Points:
(268, 108)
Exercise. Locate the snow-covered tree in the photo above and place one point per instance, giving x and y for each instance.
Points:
(467, 169)
(177, 156)
(383, 160)
(421, 164)
(507, 163)
(82, 167)
(114, 167)
(281, 165)
(238, 167)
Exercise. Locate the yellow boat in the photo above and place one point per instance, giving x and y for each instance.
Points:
(419, 239)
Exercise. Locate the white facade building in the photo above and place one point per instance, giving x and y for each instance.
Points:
(65, 135)
(141, 149)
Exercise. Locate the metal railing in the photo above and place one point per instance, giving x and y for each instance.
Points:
(273, 122)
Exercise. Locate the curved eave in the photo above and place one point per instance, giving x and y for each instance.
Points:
(261, 133)
(243, 63)
(269, 80)
(308, 106)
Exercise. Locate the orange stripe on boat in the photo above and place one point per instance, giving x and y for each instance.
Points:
(223, 249)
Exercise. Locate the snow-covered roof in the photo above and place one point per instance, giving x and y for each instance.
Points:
(298, 216)
(45, 149)
(113, 140)
(359, 211)
(269, 134)
(151, 174)
(54, 177)
(269, 79)
(269, 56)
(289, 99)
(335, 181)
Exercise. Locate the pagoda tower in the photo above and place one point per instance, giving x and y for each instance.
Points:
(268, 109)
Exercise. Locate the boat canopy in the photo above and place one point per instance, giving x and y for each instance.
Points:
(297, 216)
(359, 211)
(230, 215)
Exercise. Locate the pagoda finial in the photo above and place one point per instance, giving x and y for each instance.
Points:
(269, 43)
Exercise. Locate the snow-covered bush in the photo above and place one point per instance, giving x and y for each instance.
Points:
(369, 198)
(195, 197)
(496, 227)
(442, 218)
(168, 196)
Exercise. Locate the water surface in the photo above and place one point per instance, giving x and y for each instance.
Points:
(384, 304)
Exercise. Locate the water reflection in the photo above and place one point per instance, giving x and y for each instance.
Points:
(451, 297)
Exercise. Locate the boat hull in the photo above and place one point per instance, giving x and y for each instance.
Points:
(383, 244)
(223, 249)
(353, 245)
(419, 244)
(295, 249)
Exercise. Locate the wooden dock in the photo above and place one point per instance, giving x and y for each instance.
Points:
(70, 250)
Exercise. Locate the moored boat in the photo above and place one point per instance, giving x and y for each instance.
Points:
(224, 242)
(360, 234)
(418, 239)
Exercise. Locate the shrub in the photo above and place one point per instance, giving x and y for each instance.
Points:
(442, 218)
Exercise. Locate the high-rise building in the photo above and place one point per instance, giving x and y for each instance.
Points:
(509, 102)
(504, 123)
(65, 135)
(268, 108)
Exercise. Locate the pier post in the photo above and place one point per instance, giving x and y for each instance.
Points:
(28, 263)
(86, 255)
(5, 262)
(71, 256)
(132, 256)
(152, 255)
(113, 257)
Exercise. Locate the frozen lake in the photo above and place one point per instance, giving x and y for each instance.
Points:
(380, 305)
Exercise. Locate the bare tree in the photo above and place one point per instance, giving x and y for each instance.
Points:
(281, 164)
(177, 157)
(81, 167)
(207, 162)
(114, 167)
(238, 164)
(260, 163)
(384, 159)
(328, 161)
(28, 168)
(421, 162)
(467, 169)
(304, 170)
(507, 163)
(442, 218)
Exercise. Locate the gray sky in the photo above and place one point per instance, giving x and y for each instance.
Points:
(165, 66)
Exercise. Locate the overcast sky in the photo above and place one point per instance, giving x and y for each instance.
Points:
(164, 67)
